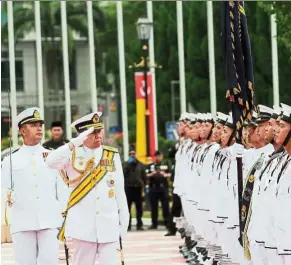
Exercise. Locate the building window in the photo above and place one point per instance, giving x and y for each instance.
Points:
(5, 75)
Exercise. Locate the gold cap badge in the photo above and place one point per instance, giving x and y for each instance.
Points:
(36, 114)
(95, 118)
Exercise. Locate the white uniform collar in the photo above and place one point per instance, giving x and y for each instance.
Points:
(31, 148)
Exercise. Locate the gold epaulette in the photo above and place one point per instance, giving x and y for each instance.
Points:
(109, 148)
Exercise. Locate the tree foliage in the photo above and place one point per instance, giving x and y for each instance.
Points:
(196, 54)
(166, 49)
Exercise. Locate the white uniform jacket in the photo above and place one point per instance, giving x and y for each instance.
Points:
(40, 193)
(102, 215)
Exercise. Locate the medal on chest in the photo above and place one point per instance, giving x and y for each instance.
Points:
(44, 155)
(107, 165)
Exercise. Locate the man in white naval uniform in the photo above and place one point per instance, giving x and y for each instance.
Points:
(36, 194)
(283, 191)
(97, 213)
(262, 149)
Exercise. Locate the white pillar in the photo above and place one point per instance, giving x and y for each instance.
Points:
(211, 57)
(92, 56)
(152, 69)
(13, 102)
(181, 55)
(122, 79)
(66, 69)
(39, 56)
(276, 99)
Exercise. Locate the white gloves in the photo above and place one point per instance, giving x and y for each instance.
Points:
(81, 137)
(238, 150)
(10, 197)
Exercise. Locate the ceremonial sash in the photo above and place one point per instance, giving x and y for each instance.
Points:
(85, 186)
(246, 210)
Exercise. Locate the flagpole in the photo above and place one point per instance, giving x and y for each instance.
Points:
(180, 29)
(13, 101)
(122, 79)
(211, 57)
(152, 69)
(66, 68)
(92, 56)
(39, 57)
(275, 60)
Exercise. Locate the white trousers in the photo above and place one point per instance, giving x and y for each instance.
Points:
(258, 253)
(86, 252)
(272, 257)
(36, 247)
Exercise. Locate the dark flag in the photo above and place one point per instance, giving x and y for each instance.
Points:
(239, 76)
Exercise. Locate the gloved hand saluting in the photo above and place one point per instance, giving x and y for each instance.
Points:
(238, 150)
(81, 137)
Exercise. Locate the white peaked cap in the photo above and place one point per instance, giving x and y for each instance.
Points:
(286, 110)
(88, 121)
(28, 116)
(221, 116)
(276, 110)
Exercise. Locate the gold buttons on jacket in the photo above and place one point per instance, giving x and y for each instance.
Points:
(97, 212)
(97, 198)
(36, 185)
(37, 197)
(35, 174)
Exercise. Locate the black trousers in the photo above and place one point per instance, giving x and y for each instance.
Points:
(159, 194)
(134, 195)
(175, 212)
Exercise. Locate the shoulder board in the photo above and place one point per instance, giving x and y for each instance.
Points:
(15, 150)
(109, 148)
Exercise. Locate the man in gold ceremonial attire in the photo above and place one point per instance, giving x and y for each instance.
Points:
(97, 212)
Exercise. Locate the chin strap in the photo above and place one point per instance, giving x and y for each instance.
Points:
(230, 138)
(210, 133)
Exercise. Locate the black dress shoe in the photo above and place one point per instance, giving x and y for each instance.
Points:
(152, 227)
(140, 228)
(170, 234)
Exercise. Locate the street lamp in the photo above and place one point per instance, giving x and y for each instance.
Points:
(144, 27)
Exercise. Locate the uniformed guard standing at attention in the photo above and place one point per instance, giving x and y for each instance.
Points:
(57, 139)
(36, 194)
(158, 174)
(97, 213)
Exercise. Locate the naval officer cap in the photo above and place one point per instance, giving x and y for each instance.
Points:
(276, 112)
(264, 114)
(30, 115)
(286, 113)
(184, 116)
(221, 118)
(200, 117)
(209, 118)
(192, 118)
(229, 122)
(88, 121)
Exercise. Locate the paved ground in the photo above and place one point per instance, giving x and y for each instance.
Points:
(140, 248)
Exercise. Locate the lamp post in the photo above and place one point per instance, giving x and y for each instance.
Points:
(144, 27)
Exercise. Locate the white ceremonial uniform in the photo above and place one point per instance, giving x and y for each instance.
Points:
(282, 215)
(101, 217)
(268, 198)
(256, 228)
(40, 197)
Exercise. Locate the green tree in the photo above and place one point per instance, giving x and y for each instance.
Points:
(24, 22)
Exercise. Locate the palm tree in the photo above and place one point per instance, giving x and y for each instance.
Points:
(24, 22)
